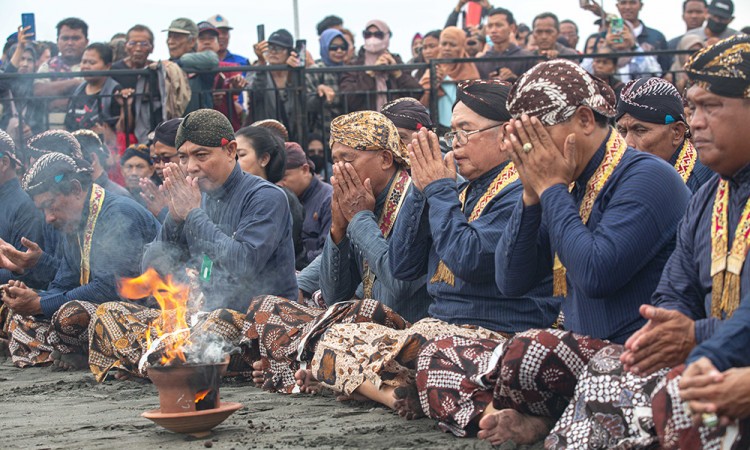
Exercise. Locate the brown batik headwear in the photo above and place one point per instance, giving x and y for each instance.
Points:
(369, 131)
(52, 141)
(553, 90)
(8, 148)
(723, 68)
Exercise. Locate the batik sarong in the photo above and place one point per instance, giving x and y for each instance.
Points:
(350, 354)
(32, 341)
(287, 332)
(676, 430)
(119, 337)
(611, 408)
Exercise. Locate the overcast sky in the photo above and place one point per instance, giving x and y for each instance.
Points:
(405, 17)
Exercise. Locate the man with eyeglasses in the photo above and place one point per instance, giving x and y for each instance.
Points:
(163, 151)
(448, 232)
(72, 40)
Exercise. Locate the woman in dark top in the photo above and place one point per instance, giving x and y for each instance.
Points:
(97, 103)
(261, 153)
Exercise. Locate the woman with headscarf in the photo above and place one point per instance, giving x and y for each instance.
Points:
(430, 51)
(452, 45)
(382, 86)
(677, 75)
(323, 101)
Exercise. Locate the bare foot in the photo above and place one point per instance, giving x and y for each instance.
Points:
(124, 375)
(407, 402)
(508, 424)
(258, 373)
(69, 361)
(307, 382)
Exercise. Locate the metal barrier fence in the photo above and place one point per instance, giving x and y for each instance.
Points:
(297, 104)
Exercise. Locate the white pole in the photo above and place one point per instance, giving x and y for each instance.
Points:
(296, 19)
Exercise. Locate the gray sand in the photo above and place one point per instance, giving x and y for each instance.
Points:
(41, 409)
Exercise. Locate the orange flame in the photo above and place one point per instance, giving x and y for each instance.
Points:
(172, 298)
(201, 395)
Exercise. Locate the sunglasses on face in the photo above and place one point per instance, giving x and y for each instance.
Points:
(375, 34)
(471, 42)
(335, 48)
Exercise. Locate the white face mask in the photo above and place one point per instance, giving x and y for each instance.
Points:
(375, 45)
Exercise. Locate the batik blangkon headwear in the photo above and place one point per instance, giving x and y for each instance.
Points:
(138, 150)
(368, 131)
(553, 91)
(166, 132)
(90, 143)
(54, 141)
(275, 126)
(488, 98)
(408, 113)
(653, 100)
(8, 148)
(723, 68)
(205, 127)
(50, 169)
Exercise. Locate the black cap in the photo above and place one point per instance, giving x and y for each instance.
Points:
(166, 132)
(282, 38)
(207, 27)
(721, 8)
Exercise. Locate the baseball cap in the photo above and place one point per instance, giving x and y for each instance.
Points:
(207, 27)
(184, 26)
(219, 21)
(721, 8)
(282, 38)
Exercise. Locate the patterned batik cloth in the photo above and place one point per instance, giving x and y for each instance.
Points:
(455, 378)
(611, 408)
(32, 341)
(350, 354)
(283, 327)
(119, 337)
(675, 428)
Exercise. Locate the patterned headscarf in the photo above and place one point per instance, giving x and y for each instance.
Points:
(407, 112)
(369, 131)
(50, 169)
(54, 141)
(8, 148)
(553, 90)
(488, 98)
(653, 100)
(723, 68)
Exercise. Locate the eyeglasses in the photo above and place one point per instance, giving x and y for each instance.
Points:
(157, 159)
(472, 42)
(376, 34)
(276, 48)
(463, 136)
(144, 44)
(335, 48)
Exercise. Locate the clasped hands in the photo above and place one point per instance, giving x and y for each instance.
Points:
(538, 159)
(182, 191)
(427, 161)
(20, 298)
(350, 196)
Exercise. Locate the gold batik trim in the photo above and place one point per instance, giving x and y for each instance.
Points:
(686, 160)
(506, 176)
(726, 267)
(616, 147)
(95, 206)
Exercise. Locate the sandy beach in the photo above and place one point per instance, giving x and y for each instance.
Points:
(43, 409)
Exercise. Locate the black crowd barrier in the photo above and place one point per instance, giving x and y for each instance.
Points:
(297, 104)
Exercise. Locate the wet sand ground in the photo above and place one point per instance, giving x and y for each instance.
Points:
(42, 409)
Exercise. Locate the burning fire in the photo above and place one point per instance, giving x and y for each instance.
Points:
(172, 298)
(201, 395)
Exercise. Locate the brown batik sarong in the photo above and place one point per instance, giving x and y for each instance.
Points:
(676, 430)
(288, 332)
(611, 408)
(119, 340)
(350, 354)
(32, 341)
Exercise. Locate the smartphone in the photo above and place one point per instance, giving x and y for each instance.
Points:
(261, 33)
(616, 26)
(27, 20)
(301, 49)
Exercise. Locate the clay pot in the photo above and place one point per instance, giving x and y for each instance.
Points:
(179, 385)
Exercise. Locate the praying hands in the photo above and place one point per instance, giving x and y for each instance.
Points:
(539, 161)
(707, 391)
(349, 192)
(427, 162)
(182, 190)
